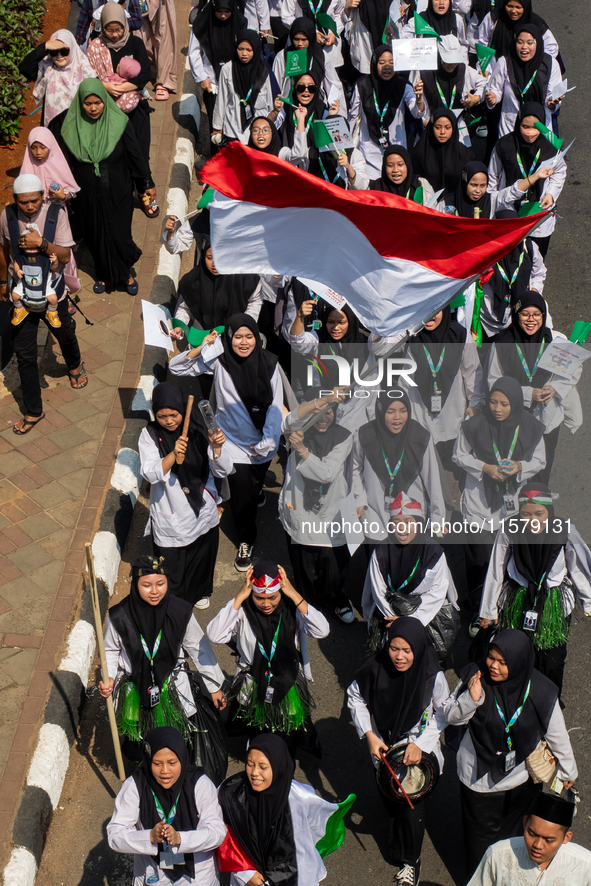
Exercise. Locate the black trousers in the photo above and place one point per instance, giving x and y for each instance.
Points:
(191, 567)
(477, 558)
(24, 342)
(209, 102)
(489, 817)
(275, 345)
(140, 120)
(543, 244)
(550, 663)
(246, 484)
(407, 830)
(320, 572)
(550, 442)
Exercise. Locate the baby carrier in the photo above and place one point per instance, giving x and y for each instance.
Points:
(35, 265)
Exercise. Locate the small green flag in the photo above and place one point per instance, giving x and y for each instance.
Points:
(195, 336)
(423, 29)
(206, 198)
(327, 21)
(296, 63)
(322, 136)
(485, 55)
(419, 196)
(334, 833)
(287, 100)
(529, 208)
(547, 133)
(458, 302)
(580, 333)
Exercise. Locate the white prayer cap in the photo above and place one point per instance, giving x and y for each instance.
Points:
(450, 50)
(27, 184)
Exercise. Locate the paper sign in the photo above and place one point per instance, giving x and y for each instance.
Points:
(156, 326)
(414, 55)
(333, 96)
(296, 62)
(561, 90)
(560, 155)
(563, 358)
(332, 134)
(210, 352)
(325, 292)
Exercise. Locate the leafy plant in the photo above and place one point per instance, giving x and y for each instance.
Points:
(20, 30)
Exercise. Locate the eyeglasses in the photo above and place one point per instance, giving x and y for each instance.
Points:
(265, 131)
(536, 316)
(300, 88)
(64, 53)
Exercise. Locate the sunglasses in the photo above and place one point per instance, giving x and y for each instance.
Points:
(300, 88)
(64, 53)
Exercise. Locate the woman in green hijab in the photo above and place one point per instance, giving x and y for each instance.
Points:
(103, 153)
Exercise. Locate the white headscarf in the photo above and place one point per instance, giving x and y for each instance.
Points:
(59, 85)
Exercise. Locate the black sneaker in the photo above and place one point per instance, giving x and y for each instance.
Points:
(243, 561)
(408, 875)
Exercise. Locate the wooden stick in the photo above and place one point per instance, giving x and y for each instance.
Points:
(98, 622)
(396, 779)
(180, 458)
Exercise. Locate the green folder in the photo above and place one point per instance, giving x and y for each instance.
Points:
(529, 208)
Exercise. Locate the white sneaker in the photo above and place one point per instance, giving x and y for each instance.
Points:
(346, 613)
(243, 560)
(408, 875)
(203, 603)
(474, 626)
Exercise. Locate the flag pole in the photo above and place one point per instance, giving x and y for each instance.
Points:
(98, 622)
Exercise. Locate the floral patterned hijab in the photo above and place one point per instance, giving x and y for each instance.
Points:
(58, 86)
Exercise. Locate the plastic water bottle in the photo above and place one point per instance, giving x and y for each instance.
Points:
(208, 415)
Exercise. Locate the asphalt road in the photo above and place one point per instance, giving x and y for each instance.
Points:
(77, 853)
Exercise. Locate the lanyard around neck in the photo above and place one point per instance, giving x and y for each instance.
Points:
(527, 86)
(269, 658)
(167, 819)
(529, 374)
(392, 473)
(532, 167)
(514, 718)
(243, 101)
(513, 277)
(381, 114)
(152, 656)
(442, 97)
(434, 370)
(325, 174)
(406, 580)
(498, 456)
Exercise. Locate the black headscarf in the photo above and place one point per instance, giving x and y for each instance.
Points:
(447, 80)
(375, 14)
(314, 111)
(486, 727)
(410, 184)
(194, 471)
(529, 345)
(441, 164)
(213, 298)
(520, 73)
(413, 439)
(460, 199)
(285, 663)
(513, 146)
(503, 39)
(397, 699)
(261, 820)
(504, 292)
(251, 375)
(320, 444)
(443, 22)
(534, 554)
(134, 618)
(388, 93)
(186, 817)
(352, 335)
(274, 145)
(314, 52)
(449, 335)
(397, 561)
(481, 8)
(248, 79)
(483, 428)
(218, 38)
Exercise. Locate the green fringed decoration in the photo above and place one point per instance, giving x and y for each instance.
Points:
(377, 633)
(287, 716)
(135, 722)
(553, 629)
(513, 612)
(129, 713)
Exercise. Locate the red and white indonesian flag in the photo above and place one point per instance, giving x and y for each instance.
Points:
(396, 263)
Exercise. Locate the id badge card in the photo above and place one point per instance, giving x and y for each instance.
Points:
(318, 505)
(167, 860)
(507, 316)
(269, 695)
(530, 620)
(509, 502)
(316, 325)
(154, 694)
(510, 761)
(387, 502)
(436, 403)
(383, 142)
(248, 112)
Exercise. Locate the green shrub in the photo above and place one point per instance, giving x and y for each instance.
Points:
(19, 32)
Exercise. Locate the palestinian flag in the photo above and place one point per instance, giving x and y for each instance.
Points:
(395, 262)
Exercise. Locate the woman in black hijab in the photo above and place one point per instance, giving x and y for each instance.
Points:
(442, 18)
(150, 631)
(471, 198)
(496, 788)
(496, 27)
(249, 398)
(274, 819)
(183, 512)
(516, 353)
(244, 90)
(317, 479)
(439, 155)
(397, 697)
(212, 45)
(302, 35)
(306, 93)
(268, 142)
(392, 454)
(398, 177)
(171, 803)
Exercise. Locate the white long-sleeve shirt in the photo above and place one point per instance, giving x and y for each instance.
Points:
(500, 85)
(553, 185)
(486, 30)
(498, 199)
(474, 83)
(195, 644)
(226, 115)
(491, 324)
(257, 15)
(428, 740)
(574, 561)
(507, 863)
(173, 521)
(436, 588)
(459, 710)
(199, 64)
(125, 833)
